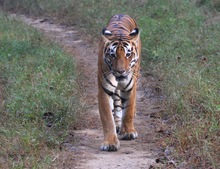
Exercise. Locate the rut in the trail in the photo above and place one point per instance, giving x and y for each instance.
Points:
(81, 150)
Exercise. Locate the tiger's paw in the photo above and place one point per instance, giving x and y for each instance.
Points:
(107, 146)
(128, 135)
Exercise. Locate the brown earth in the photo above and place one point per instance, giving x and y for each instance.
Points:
(81, 149)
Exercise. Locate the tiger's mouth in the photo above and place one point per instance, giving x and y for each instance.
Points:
(121, 78)
(121, 75)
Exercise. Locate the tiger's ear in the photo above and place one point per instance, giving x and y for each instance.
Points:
(106, 34)
(135, 32)
(135, 35)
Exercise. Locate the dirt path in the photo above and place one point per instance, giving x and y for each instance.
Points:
(84, 151)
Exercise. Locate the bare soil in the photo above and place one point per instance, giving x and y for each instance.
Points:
(81, 149)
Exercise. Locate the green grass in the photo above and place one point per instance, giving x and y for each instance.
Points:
(185, 54)
(178, 47)
(39, 79)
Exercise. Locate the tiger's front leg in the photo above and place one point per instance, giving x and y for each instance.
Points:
(128, 131)
(111, 142)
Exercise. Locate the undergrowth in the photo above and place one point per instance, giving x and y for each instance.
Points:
(40, 96)
(179, 47)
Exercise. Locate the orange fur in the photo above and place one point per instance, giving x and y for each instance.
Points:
(118, 69)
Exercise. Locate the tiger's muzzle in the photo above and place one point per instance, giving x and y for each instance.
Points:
(121, 74)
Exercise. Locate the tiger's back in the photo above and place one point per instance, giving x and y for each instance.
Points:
(118, 69)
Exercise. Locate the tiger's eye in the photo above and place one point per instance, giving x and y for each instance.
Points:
(128, 54)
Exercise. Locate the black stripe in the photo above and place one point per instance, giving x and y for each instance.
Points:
(115, 106)
(127, 85)
(128, 90)
(121, 107)
(122, 99)
(107, 91)
(108, 63)
(108, 80)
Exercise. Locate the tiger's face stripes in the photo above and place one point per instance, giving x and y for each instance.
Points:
(121, 57)
(118, 69)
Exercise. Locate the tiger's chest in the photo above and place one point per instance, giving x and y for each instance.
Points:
(112, 83)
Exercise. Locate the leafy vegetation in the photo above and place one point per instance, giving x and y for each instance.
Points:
(40, 96)
(179, 47)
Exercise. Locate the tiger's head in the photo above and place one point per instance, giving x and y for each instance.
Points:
(121, 51)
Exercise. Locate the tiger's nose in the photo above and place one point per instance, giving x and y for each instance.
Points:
(121, 71)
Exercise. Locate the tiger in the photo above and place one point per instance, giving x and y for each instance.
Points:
(118, 70)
